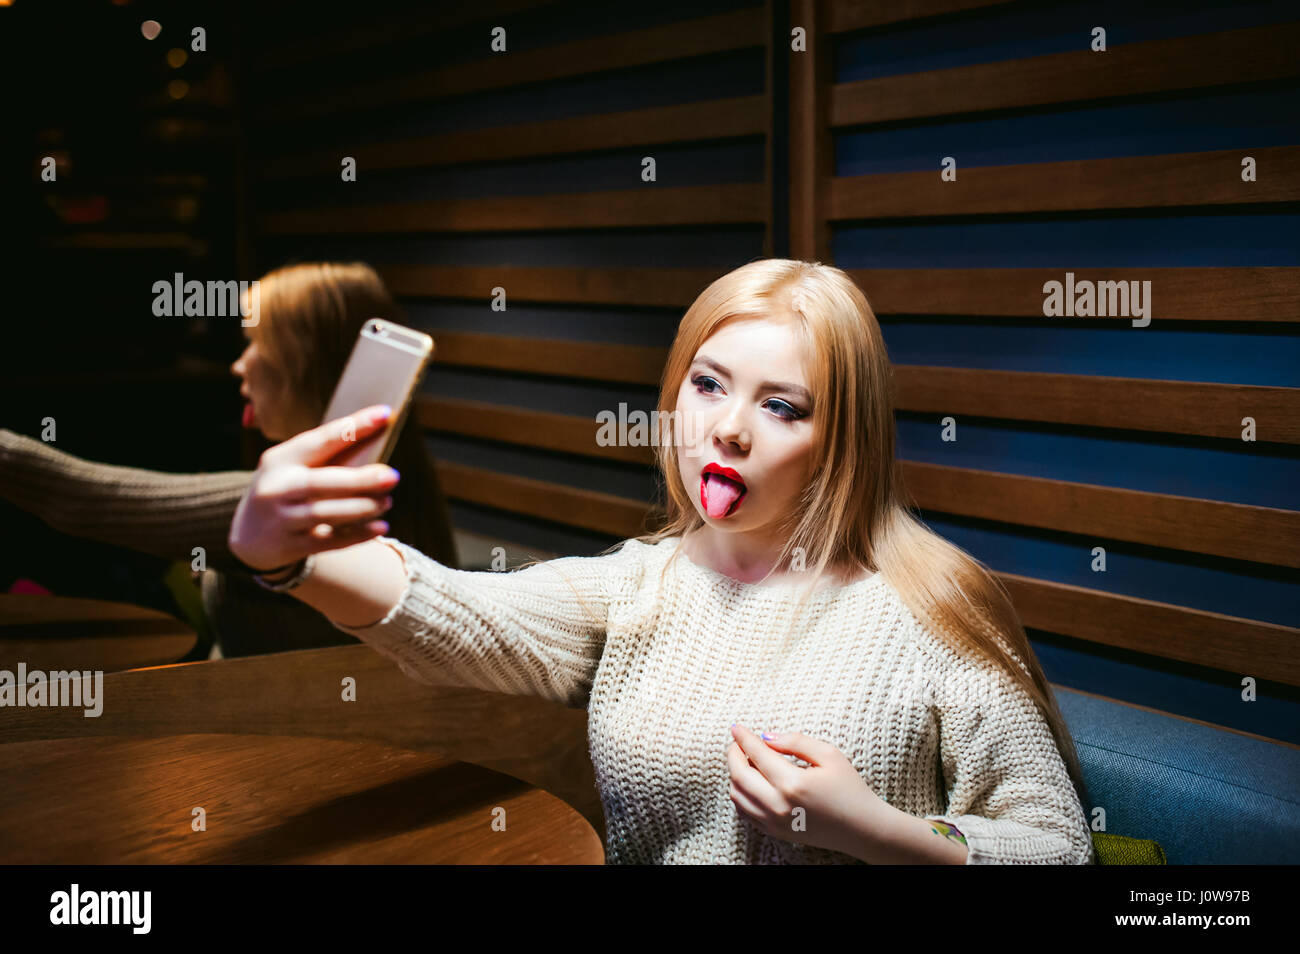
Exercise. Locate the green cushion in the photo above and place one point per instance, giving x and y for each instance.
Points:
(1118, 850)
(189, 602)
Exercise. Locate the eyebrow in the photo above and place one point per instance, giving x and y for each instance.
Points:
(775, 385)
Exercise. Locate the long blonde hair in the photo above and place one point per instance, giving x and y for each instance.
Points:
(854, 511)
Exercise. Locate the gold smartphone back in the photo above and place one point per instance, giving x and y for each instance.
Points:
(385, 367)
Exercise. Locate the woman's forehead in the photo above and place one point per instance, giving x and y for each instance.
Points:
(770, 342)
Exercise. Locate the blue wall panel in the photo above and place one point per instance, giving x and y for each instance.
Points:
(1022, 30)
(1190, 120)
(1213, 584)
(1227, 353)
(1234, 471)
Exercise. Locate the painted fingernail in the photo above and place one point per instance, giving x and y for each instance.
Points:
(766, 736)
(383, 413)
(396, 474)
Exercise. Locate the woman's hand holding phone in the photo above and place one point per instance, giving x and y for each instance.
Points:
(298, 504)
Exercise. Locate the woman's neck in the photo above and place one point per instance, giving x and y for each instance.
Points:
(745, 557)
(741, 556)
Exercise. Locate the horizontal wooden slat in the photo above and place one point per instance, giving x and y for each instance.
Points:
(721, 33)
(1260, 649)
(665, 287)
(1133, 69)
(588, 509)
(1181, 407)
(651, 206)
(628, 364)
(1238, 531)
(845, 15)
(1182, 294)
(1187, 179)
(1175, 407)
(545, 429)
(1206, 409)
(690, 122)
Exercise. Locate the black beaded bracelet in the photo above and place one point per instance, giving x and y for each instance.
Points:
(254, 571)
(302, 571)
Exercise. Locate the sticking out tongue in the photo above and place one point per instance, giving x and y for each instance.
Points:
(248, 415)
(719, 494)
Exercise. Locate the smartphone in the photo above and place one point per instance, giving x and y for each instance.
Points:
(385, 367)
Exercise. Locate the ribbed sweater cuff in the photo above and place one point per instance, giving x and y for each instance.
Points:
(409, 615)
(993, 841)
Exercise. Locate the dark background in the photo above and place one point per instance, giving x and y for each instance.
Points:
(147, 186)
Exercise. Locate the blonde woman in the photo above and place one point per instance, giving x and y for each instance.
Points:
(790, 590)
(309, 317)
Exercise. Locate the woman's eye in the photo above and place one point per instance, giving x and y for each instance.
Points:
(788, 413)
(702, 377)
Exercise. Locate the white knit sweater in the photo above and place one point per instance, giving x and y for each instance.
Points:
(665, 669)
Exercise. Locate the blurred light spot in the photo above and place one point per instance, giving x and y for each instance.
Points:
(176, 58)
(177, 89)
(170, 128)
(185, 209)
(150, 29)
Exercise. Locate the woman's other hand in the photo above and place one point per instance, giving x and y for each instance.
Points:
(826, 805)
(297, 504)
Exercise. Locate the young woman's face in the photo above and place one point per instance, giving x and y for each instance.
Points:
(746, 405)
(262, 386)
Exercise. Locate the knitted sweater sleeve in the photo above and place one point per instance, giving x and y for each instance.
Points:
(163, 514)
(1008, 790)
(539, 630)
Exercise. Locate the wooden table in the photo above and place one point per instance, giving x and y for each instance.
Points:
(272, 800)
(64, 632)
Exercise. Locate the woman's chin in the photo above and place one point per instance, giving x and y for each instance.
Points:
(726, 522)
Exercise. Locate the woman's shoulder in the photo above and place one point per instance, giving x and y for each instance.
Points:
(624, 562)
(629, 565)
(635, 555)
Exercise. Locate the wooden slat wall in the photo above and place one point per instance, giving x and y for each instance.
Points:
(1267, 538)
(564, 361)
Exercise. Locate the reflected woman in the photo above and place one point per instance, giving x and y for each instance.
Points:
(309, 317)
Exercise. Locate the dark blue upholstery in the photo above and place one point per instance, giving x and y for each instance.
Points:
(1207, 795)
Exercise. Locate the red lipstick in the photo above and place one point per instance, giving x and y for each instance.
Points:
(724, 471)
(721, 498)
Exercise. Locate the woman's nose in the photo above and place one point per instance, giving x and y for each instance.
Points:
(733, 427)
